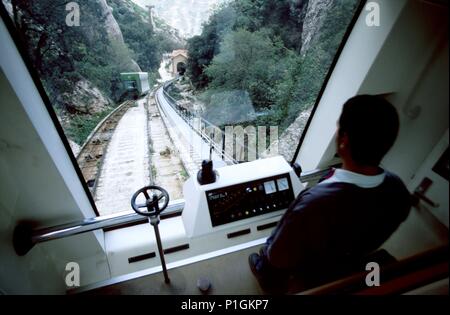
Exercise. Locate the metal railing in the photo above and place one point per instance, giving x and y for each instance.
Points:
(205, 129)
(25, 237)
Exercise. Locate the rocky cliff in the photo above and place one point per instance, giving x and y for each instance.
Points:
(110, 24)
(81, 67)
(316, 13)
(85, 98)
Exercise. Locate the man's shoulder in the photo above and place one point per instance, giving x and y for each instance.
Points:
(395, 182)
(396, 187)
(390, 176)
(324, 193)
(334, 192)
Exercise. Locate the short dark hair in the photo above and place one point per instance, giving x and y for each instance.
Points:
(371, 124)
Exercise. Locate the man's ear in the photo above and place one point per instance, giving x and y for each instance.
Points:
(342, 141)
(342, 137)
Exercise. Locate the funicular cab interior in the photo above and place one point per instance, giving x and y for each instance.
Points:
(49, 218)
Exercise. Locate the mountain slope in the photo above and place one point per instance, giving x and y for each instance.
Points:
(79, 66)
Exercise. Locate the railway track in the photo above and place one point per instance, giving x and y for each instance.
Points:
(90, 157)
(166, 170)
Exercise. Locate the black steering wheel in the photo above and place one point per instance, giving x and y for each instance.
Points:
(156, 200)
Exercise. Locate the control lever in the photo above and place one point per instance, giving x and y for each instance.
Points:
(297, 169)
(152, 204)
(206, 175)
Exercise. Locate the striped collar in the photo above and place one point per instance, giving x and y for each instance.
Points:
(363, 181)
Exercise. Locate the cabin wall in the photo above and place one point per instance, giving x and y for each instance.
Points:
(361, 50)
(39, 184)
(406, 60)
(413, 69)
(422, 98)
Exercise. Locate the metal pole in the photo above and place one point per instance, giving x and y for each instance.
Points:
(155, 221)
(25, 237)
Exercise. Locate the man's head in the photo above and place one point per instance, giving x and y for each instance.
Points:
(368, 127)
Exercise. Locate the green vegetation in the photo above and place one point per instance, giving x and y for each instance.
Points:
(93, 52)
(150, 146)
(80, 126)
(261, 53)
(184, 175)
(146, 45)
(174, 92)
(64, 55)
(249, 61)
(256, 46)
(153, 174)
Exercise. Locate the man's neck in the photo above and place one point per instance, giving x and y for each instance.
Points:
(361, 169)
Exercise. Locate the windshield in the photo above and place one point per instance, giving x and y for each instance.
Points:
(146, 90)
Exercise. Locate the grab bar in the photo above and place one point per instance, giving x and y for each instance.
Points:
(25, 237)
(314, 175)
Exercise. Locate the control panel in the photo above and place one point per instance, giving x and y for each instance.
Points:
(242, 195)
(250, 199)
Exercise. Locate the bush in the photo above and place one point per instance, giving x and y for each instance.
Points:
(81, 126)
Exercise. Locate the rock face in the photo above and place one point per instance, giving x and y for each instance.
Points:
(316, 12)
(288, 140)
(134, 67)
(85, 98)
(8, 6)
(113, 30)
(111, 25)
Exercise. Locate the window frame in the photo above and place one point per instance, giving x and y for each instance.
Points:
(15, 35)
(348, 31)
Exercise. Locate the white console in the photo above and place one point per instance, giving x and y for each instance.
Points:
(242, 194)
(217, 218)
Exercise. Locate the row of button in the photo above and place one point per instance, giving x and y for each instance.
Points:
(247, 213)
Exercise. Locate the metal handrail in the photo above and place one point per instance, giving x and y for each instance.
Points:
(174, 104)
(25, 237)
(208, 140)
(313, 176)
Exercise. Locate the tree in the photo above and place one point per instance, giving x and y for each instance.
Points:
(255, 45)
(204, 47)
(250, 62)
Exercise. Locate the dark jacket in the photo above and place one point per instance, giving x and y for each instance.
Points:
(334, 223)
